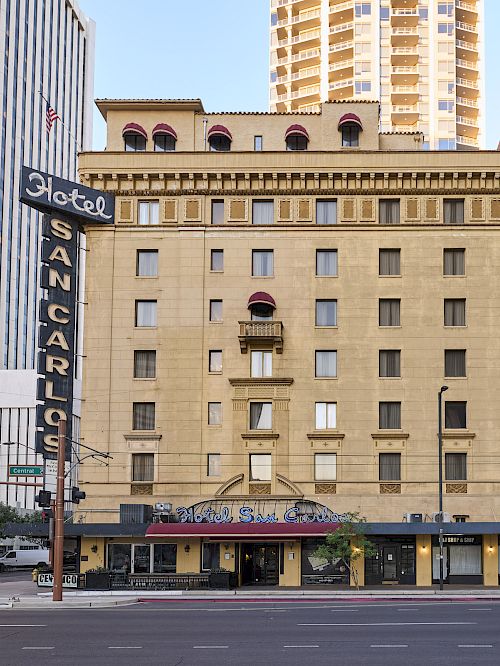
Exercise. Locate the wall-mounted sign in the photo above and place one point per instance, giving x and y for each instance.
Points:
(47, 580)
(25, 470)
(67, 206)
(51, 194)
(260, 511)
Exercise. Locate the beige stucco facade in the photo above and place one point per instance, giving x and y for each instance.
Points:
(185, 183)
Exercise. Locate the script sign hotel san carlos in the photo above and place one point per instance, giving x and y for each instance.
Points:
(67, 207)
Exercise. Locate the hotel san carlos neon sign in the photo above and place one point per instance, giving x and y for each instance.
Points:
(67, 206)
(249, 514)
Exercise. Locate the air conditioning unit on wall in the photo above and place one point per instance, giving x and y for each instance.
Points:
(414, 517)
(446, 517)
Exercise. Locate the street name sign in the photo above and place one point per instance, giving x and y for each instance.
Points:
(25, 470)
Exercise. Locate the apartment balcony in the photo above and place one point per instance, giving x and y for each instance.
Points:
(405, 114)
(466, 12)
(469, 103)
(303, 4)
(404, 55)
(467, 64)
(467, 87)
(404, 75)
(467, 143)
(404, 36)
(465, 45)
(306, 19)
(342, 65)
(341, 7)
(404, 4)
(312, 55)
(343, 30)
(341, 89)
(465, 30)
(341, 13)
(402, 95)
(301, 38)
(261, 332)
(404, 128)
(303, 93)
(301, 75)
(340, 50)
(404, 17)
(467, 127)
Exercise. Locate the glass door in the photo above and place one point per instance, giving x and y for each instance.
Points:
(389, 563)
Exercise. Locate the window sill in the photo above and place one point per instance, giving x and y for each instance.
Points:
(450, 275)
(458, 433)
(452, 378)
(326, 276)
(145, 379)
(215, 322)
(384, 378)
(327, 327)
(460, 327)
(215, 372)
(146, 277)
(390, 434)
(212, 271)
(390, 276)
(328, 378)
(259, 434)
(325, 434)
(386, 327)
(145, 328)
(262, 277)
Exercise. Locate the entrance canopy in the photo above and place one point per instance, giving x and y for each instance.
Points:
(240, 531)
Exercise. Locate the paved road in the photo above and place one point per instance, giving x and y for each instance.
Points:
(184, 633)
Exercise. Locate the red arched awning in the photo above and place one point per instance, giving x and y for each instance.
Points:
(260, 297)
(350, 118)
(163, 128)
(134, 128)
(293, 130)
(219, 130)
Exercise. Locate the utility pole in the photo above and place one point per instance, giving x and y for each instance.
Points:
(58, 548)
(440, 468)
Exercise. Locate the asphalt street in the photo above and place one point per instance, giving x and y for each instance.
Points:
(176, 633)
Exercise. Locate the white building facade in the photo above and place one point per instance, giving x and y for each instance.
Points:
(422, 59)
(47, 49)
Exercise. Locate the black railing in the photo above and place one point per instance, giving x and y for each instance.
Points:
(123, 581)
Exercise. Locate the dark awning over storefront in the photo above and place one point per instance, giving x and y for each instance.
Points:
(266, 531)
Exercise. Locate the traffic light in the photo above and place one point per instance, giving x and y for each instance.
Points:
(77, 495)
(43, 498)
(47, 514)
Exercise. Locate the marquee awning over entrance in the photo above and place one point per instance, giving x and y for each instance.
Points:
(240, 531)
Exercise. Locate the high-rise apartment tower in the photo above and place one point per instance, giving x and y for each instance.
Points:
(47, 56)
(422, 59)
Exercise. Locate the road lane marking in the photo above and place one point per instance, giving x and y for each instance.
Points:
(405, 610)
(375, 624)
(344, 610)
(475, 646)
(124, 647)
(23, 625)
(301, 646)
(275, 610)
(38, 648)
(480, 609)
(210, 647)
(388, 646)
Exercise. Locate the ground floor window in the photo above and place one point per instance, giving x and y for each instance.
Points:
(210, 556)
(462, 559)
(317, 570)
(165, 557)
(142, 557)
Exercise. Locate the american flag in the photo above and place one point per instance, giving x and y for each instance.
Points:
(50, 117)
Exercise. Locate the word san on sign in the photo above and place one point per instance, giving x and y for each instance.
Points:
(247, 514)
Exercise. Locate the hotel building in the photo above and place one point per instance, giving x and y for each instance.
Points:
(423, 59)
(268, 324)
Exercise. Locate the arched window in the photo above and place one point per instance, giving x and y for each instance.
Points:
(219, 138)
(134, 137)
(350, 126)
(165, 138)
(296, 138)
(261, 306)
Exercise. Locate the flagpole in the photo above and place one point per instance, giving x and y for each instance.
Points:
(62, 123)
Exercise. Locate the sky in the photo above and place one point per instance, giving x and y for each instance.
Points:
(215, 50)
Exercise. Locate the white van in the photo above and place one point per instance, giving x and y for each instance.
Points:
(25, 558)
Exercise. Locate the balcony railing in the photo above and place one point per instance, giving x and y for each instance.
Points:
(341, 6)
(301, 74)
(411, 108)
(465, 5)
(301, 92)
(261, 331)
(405, 89)
(404, 12)
(469, 64)
(463, 44)
(404, 50)
(303, 55)
(405, 31)
(466, 26)
(341, 45)
(341, 64)
(467, 141)
(303, 37)
(467, 102)
(340, 28)
(341, 84)
(467, 83)
(467, 121)
(405, 69)
(305, 16)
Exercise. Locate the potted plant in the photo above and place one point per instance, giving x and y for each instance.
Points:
(222, 579)
(98, 579)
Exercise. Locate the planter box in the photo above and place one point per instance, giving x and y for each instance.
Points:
(225, 580)
(97, 581)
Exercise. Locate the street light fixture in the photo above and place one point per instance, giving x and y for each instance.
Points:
(440, 467)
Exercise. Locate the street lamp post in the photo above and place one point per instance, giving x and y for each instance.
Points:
(440, 467)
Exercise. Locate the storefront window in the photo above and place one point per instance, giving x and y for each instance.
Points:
(165, 557)
(119, 556)
(210, 556)
(141, 558)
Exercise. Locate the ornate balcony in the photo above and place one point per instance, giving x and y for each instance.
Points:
(269, 331)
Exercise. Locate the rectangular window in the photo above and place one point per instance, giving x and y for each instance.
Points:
(216, 310)
(389, 363)
(389, 262)
(143, 466)
(389, 312)
(145, 313)
(261, 416)
(453, 210)
(454, 363)
(261, 363)
(257, 143)
(213, 464)
(455, 465)
(217, 212)
(165, 557)
(389, 415)
(144, 364)
(262, 212)
(326, 313)
(262, 263)
(260, 467)
(149, 212)
(215, 360)
(455, 415)
(326, 415)
(147, 263)
(389, 466)
(454, 262)
(143, 416)
(388, 211)
(326, 364)
(217, 260)
(454, 311)
(325, 466)
(210, 556)
(326, 263)
(326, 211)
(214, 413)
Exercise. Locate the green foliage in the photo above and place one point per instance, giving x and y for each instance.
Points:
(347, 543)
(10, 515)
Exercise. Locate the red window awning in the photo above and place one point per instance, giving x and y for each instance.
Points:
(221, 531)
(350, 118)
(295, 130)
(163, 128)
(134, 128)
(261, 297)
(219, 130)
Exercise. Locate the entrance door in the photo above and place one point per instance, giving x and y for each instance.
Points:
(389, 563)
(259, 564)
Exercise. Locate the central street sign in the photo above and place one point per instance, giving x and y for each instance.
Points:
(25, 470)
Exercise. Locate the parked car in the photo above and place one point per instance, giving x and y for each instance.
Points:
(25, 558)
